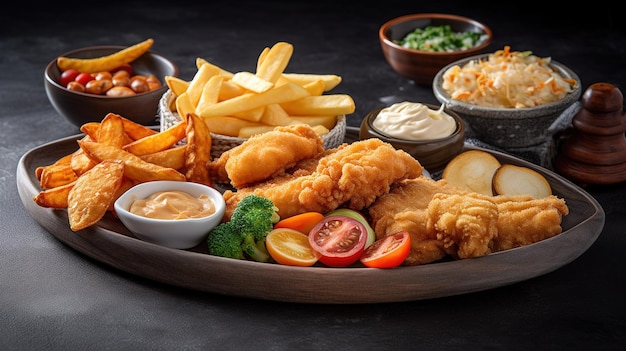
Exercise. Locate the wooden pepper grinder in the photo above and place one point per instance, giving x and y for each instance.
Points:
(595, 151)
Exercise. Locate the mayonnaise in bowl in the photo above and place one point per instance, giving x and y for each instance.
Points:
(414, 121)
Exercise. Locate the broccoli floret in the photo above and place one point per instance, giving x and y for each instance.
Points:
(244, 235)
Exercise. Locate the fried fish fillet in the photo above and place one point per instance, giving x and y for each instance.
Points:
(266, 155)
(447, 221)
(352, 175)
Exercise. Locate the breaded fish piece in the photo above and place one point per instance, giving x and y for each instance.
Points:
(447, 221)
(354, 176)
(266, 155)
(524, 220)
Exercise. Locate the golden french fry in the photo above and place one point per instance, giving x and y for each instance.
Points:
(251, 82)
(261, 57)
(205, 72)
(198, 151)
(323, 105)
(176, 85)
(54, 197)
(184, 105)
(134, 167)
(315, 88)
(111, 131)
(90, 198)
(326, 121)
(57, 175)
(229, 126)
(247, 132)
(200, 61)
(210, 91)
(157, 142)
(274, 115)
(249, 101)
(330, 80)
(105, 63)
(274, 62)
(230, 90)
(172, 158)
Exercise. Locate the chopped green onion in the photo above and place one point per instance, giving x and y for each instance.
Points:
(440, 39)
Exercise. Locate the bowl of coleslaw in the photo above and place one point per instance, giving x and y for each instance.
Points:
(417, 46)
(507, 98)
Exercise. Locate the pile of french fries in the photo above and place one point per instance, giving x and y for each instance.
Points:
(116, 154)
(243, 104)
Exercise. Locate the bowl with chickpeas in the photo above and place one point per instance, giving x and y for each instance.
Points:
(132, 89)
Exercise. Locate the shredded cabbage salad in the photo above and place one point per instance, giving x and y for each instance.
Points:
(507, 79)
(440, 39)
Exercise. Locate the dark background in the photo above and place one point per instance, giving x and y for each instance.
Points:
(54, 298)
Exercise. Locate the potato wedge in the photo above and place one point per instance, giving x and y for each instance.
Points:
(172, 158)
(56, 175)
(516, 180)
(198, 151)
(90, 198)
(54, 197)
(111, 131)
(134, 167)
(472, 170)
(157, 142)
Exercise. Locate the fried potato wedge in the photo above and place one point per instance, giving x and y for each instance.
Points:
(134, 167)
(157, 142)
(198, 151)
(111, 131)
(92, 194)
(57, 175)
(54, 197)
(171, 158)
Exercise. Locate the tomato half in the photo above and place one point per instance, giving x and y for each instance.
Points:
(339, 240)
(303, 222)
(388, 252)
(371, 236)
(290, 247)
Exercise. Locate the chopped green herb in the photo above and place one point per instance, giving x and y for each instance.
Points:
(440, 39)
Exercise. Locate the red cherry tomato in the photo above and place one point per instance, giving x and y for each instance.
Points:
(68, 76)
(339, 240)
(388, 252)
(84, 78)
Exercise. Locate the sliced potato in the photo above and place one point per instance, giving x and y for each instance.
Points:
(517, 180)
(472, 170)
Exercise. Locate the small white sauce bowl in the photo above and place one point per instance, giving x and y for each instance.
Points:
(176, 234)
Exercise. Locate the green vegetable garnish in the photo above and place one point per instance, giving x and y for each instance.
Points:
(440, 39)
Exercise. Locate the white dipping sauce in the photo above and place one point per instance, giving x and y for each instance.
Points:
(414, 121)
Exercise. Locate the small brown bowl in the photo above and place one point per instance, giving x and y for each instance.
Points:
(422, 66)
(432, 154)
(80, 108)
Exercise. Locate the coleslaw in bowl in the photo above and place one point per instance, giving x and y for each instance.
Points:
(508, 99)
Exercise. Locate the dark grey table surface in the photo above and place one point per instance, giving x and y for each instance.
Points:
(55, 298)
